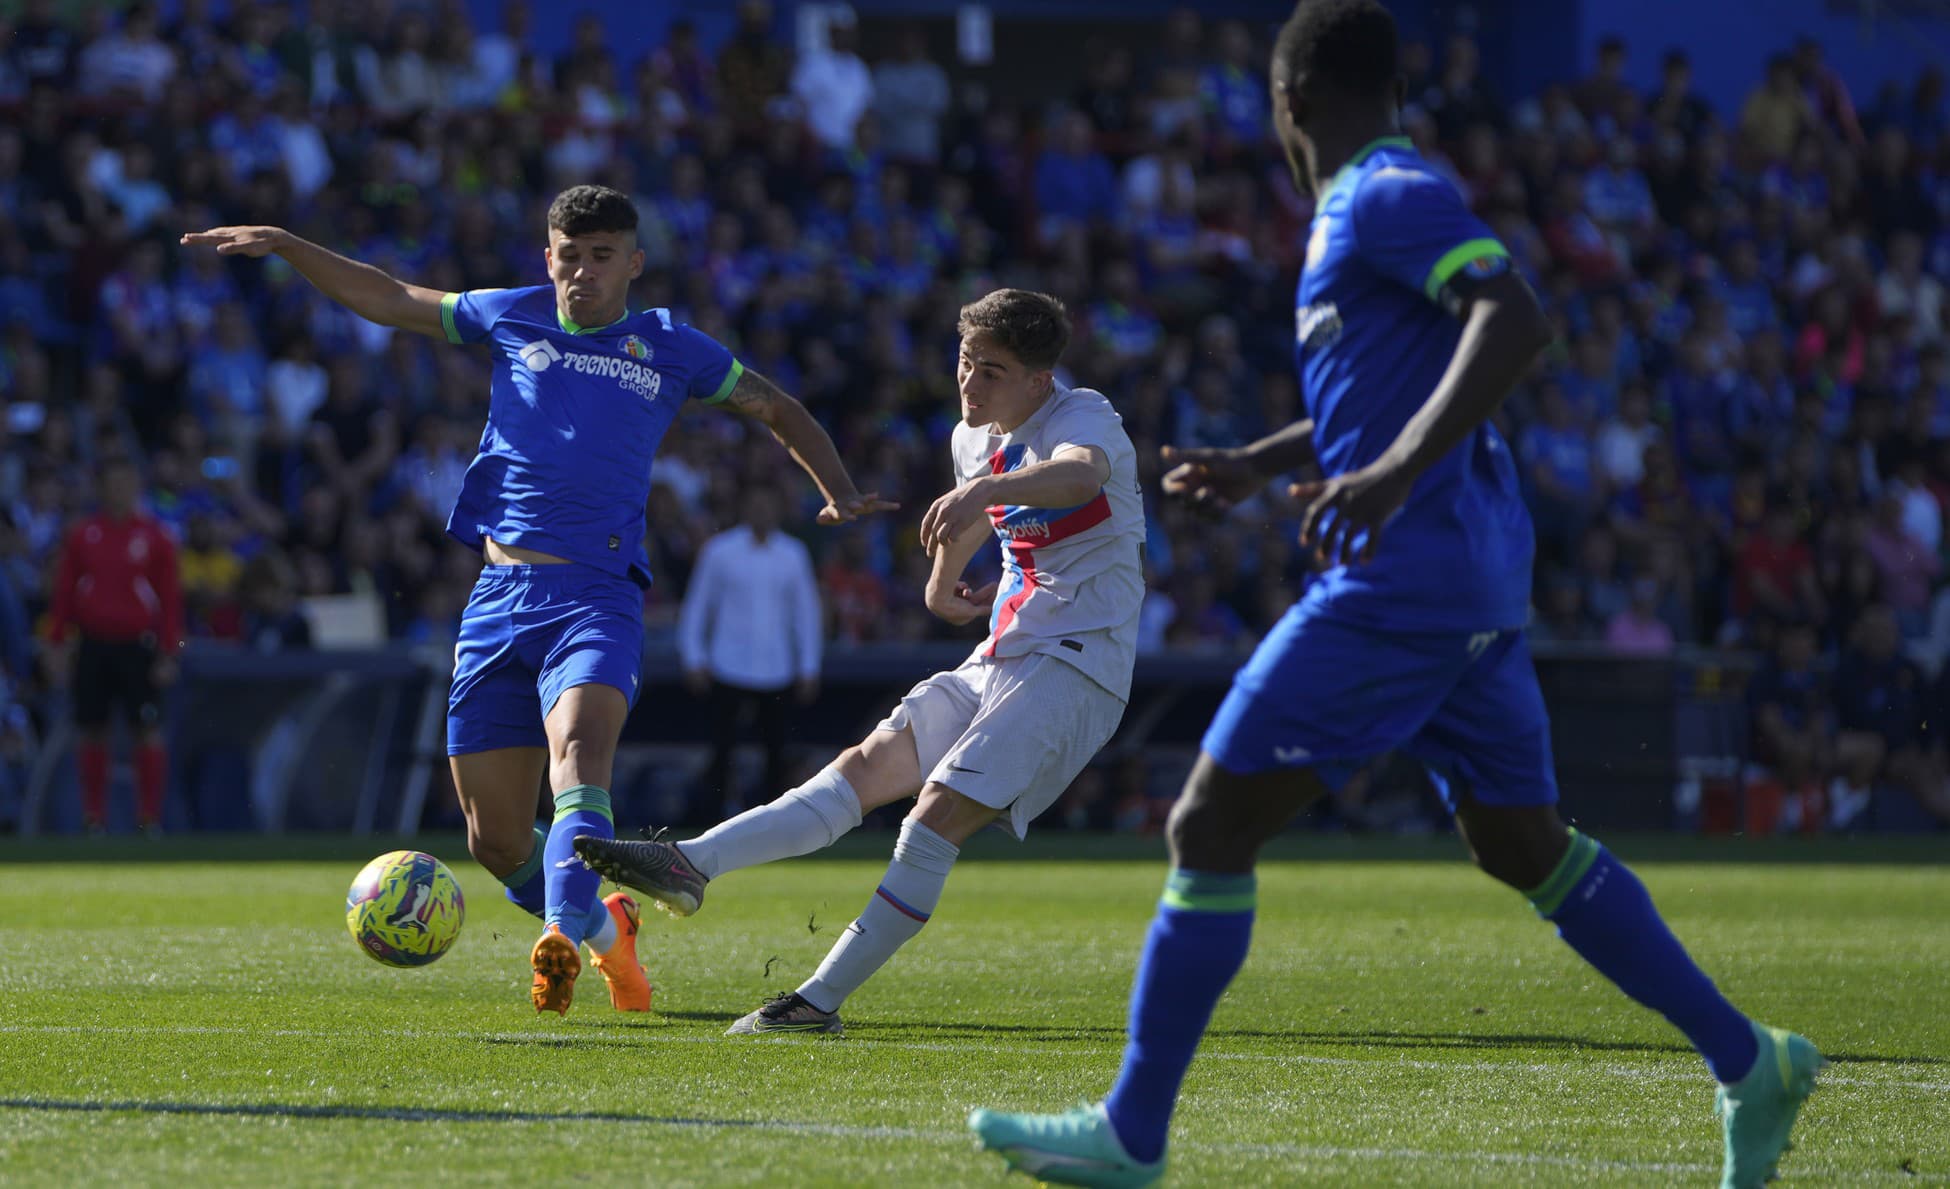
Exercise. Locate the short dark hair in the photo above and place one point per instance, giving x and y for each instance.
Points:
(1033, 327)
(1349, 45)
(590, 210)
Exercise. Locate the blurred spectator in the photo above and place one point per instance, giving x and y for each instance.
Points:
(1791, 708)
(833, 85)
(1075, 186)
(1777, 112)
(1233, 90)
(1460, 97)
(1904, 564)
(749, 636)
(1828, 95)
(1637, 629)
(911, 95)
(1883, 711)
(42, 49)
(753, 69)
(1774, 575)
(1623, 438)
(132, 60)
(271, 621)
(1675, 105)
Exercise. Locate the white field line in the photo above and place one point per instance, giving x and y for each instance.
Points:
(1676, 1068)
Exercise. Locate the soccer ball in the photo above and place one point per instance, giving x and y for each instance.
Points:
(405, 908)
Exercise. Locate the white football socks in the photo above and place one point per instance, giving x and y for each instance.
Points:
(602, 933)
(901, 904)
(800, 822)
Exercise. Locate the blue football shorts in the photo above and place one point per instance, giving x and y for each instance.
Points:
(529, 633)
(1328, 695)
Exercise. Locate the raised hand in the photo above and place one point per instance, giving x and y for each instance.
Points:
(1211, 480)
(1362, 501)
(966, 604)
(950, 516)
(853, 507)
(238, 241)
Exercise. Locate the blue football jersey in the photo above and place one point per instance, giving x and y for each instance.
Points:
(574, 418)
(1374, 332)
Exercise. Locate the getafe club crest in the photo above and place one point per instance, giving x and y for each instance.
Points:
(636, 348)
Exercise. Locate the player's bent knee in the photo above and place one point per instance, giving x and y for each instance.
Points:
(955, 816)
(883, 768)
(500, 851)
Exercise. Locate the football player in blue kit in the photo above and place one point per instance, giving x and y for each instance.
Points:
(547, 664)
(1411, 327)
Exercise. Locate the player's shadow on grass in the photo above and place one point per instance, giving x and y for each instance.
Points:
(1435, 1041)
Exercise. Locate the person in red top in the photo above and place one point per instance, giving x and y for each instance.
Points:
(1774, 574)
(116, 588)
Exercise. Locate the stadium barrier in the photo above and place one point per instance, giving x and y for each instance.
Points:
(352, 739)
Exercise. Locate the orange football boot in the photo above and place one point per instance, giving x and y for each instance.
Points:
(556, 964)
(629, 986)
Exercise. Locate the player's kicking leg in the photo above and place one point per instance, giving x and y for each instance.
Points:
(880, 770)
(1196, 944)
(1602, 911)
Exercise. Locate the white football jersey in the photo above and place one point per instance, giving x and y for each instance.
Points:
(1072, 578)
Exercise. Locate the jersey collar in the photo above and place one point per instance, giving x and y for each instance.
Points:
(569, 327)
(1345, 173)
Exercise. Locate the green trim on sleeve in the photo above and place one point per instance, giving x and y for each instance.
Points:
(730, 381)
(447, 303)
(1452, 262)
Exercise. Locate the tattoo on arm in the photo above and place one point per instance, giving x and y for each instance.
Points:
(754, 396)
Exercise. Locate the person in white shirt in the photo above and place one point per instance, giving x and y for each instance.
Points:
(748, 636)
(833, 85)
(911, 95)
(132, 60)
(1049, 470)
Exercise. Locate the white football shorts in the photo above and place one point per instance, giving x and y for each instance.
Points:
(1010, 733)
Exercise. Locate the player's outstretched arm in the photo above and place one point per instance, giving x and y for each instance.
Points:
(361, 288)
(800, 433)
(1074, 476)
(947, 595)
(1215, 478)
(1504, 330)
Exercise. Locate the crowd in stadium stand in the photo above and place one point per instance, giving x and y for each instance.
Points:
(1742, 436)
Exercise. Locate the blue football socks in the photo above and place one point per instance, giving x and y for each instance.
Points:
(571, 883)
(1602, 911)
(1197, 943)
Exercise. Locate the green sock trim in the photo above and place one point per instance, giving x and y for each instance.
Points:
(583, 796)
(530, 865)
(1548, 896)
(1203, 891)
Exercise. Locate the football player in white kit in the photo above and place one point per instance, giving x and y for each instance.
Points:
(1050, 471)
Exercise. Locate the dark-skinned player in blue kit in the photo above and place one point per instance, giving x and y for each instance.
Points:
(551, 642)
(1411, 327)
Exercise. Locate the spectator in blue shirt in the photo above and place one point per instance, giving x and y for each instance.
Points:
(1232, 91)
(1559, 472)
(1748, 297)
(1075, 185)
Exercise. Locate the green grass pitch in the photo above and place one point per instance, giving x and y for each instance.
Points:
(183, 1012)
